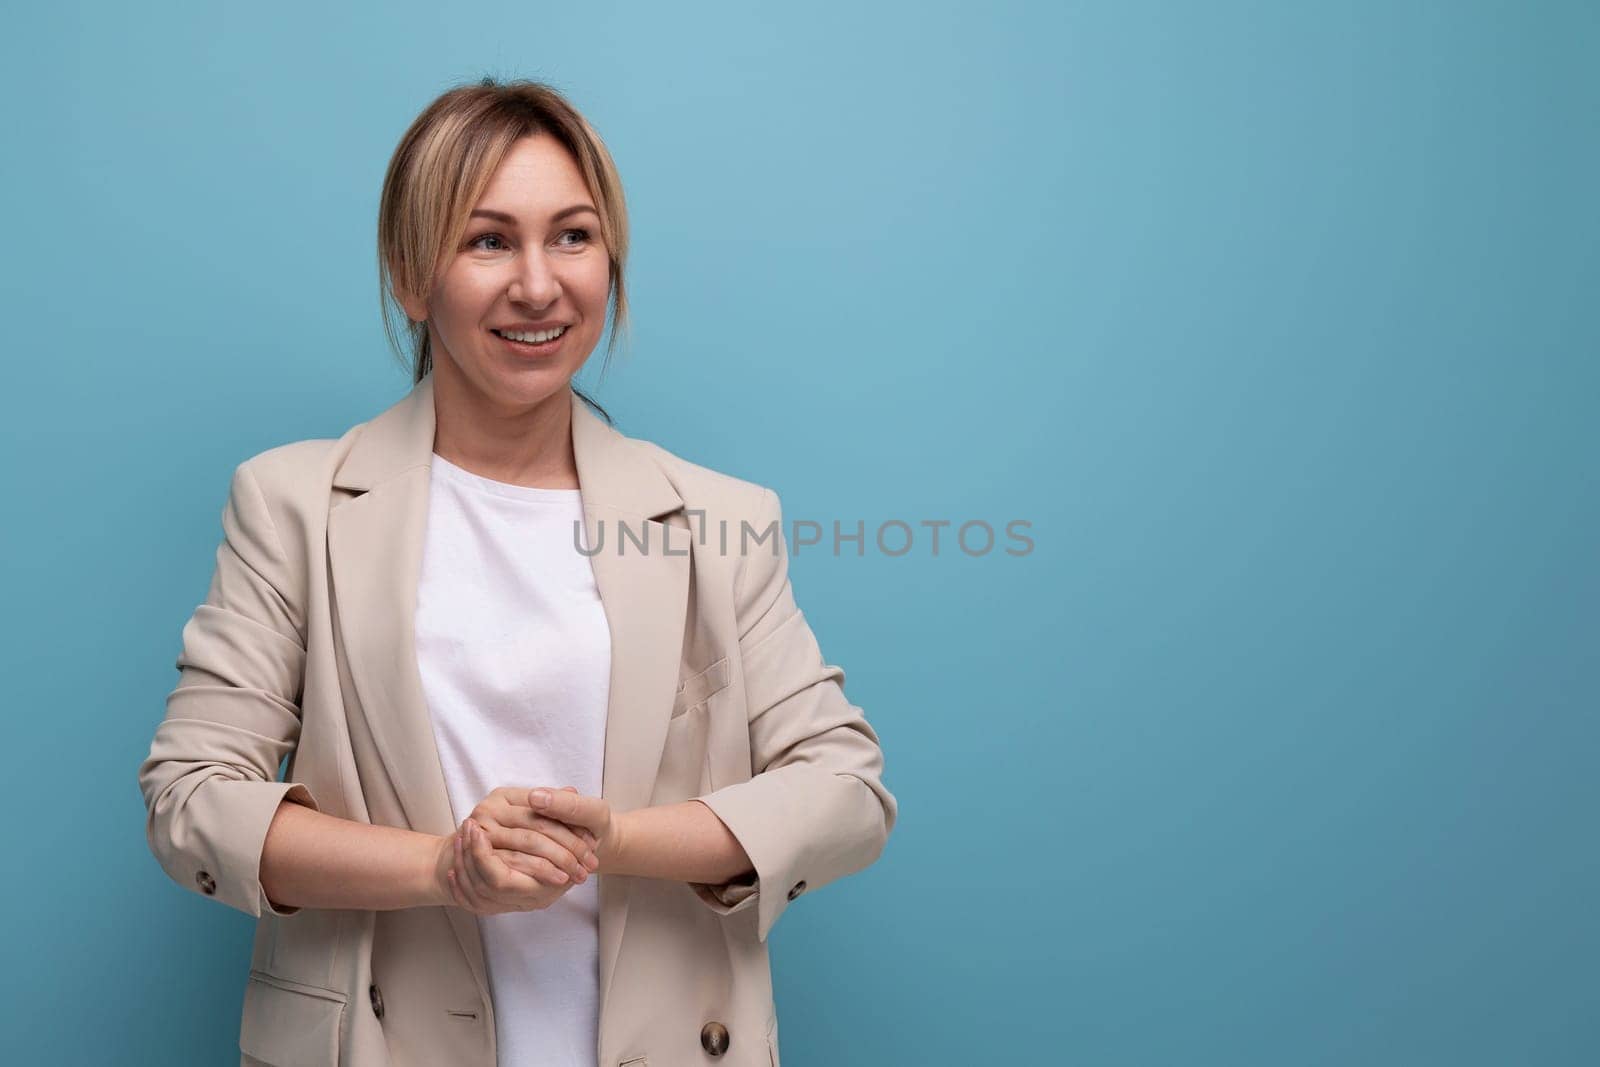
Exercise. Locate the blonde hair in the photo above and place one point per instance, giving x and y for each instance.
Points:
(440, 169)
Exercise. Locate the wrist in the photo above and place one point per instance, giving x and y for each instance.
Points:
(615, 857)
(436, 855)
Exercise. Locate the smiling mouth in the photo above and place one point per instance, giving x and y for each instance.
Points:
(526, 336)
(534, 348)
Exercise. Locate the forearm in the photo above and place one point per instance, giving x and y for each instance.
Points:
(314, 860)
(682, 842)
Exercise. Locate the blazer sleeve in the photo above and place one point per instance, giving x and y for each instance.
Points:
(816, 808)
(210, 782)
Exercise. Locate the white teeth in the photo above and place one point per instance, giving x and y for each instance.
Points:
(533, 338)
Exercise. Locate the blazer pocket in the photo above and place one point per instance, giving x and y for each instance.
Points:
(286, 1022)
(701, 686)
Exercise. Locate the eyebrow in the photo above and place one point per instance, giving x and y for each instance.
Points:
(510, 220)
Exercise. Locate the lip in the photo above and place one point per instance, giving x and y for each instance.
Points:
(531, 327)
(527, 351)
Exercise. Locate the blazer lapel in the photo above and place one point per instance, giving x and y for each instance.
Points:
(645, 593)
(375, 544)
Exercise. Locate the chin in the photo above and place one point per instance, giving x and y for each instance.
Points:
(529, 385)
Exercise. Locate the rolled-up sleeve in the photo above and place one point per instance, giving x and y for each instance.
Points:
(816, 808)
(210, 781)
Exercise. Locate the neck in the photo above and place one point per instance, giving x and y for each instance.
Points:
(528, 444)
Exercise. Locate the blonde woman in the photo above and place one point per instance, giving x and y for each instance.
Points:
(561, 746)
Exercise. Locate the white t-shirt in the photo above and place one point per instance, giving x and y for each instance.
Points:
(515, 657)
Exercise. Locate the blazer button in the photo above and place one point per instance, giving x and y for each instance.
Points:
(714, 1038)
(377, 1000)
(799, 887)
(207, 884)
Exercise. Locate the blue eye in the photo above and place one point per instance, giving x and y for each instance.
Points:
(583, 238)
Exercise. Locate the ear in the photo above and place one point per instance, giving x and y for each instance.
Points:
(416, 310)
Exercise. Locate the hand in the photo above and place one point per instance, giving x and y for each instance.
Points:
(539, 845)
(476, 879)
(580, 812)
(538, 861)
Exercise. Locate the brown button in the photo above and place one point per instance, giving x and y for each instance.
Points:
(714, 1038)
(207, 884)
(377, 1000)
(799, 887)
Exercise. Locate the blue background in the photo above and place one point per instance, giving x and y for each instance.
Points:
(1277, 322)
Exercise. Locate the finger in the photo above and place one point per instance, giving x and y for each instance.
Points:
(583, 831)
(505, 886)
(557, 853)
(578, 842)
(575, 839)
(450, 874)
(538, 843)
(524, 797)
(495, 810)
(478, 883)
(460, 876)
(530, 866)
(525, 815)
(584, 837)
(540, 870)
(518, 810)
(571, 807)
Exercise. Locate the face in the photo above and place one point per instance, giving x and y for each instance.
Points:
(532, 257)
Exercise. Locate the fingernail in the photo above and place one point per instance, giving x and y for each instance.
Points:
(541, 797)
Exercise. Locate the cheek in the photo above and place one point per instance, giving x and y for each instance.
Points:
(461, 300)
(593, 287)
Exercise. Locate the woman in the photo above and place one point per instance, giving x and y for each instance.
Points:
(561, 746)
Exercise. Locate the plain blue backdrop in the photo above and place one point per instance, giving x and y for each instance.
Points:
(1277, 322)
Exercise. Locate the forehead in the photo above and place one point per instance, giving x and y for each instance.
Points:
(537, 177)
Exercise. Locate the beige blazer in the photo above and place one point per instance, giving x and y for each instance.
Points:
(304, 648)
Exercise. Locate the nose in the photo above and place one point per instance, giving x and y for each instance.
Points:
(535, 283)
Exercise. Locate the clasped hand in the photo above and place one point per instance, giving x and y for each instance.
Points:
(514, 854)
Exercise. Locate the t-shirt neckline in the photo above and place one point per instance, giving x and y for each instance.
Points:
(462, 476)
